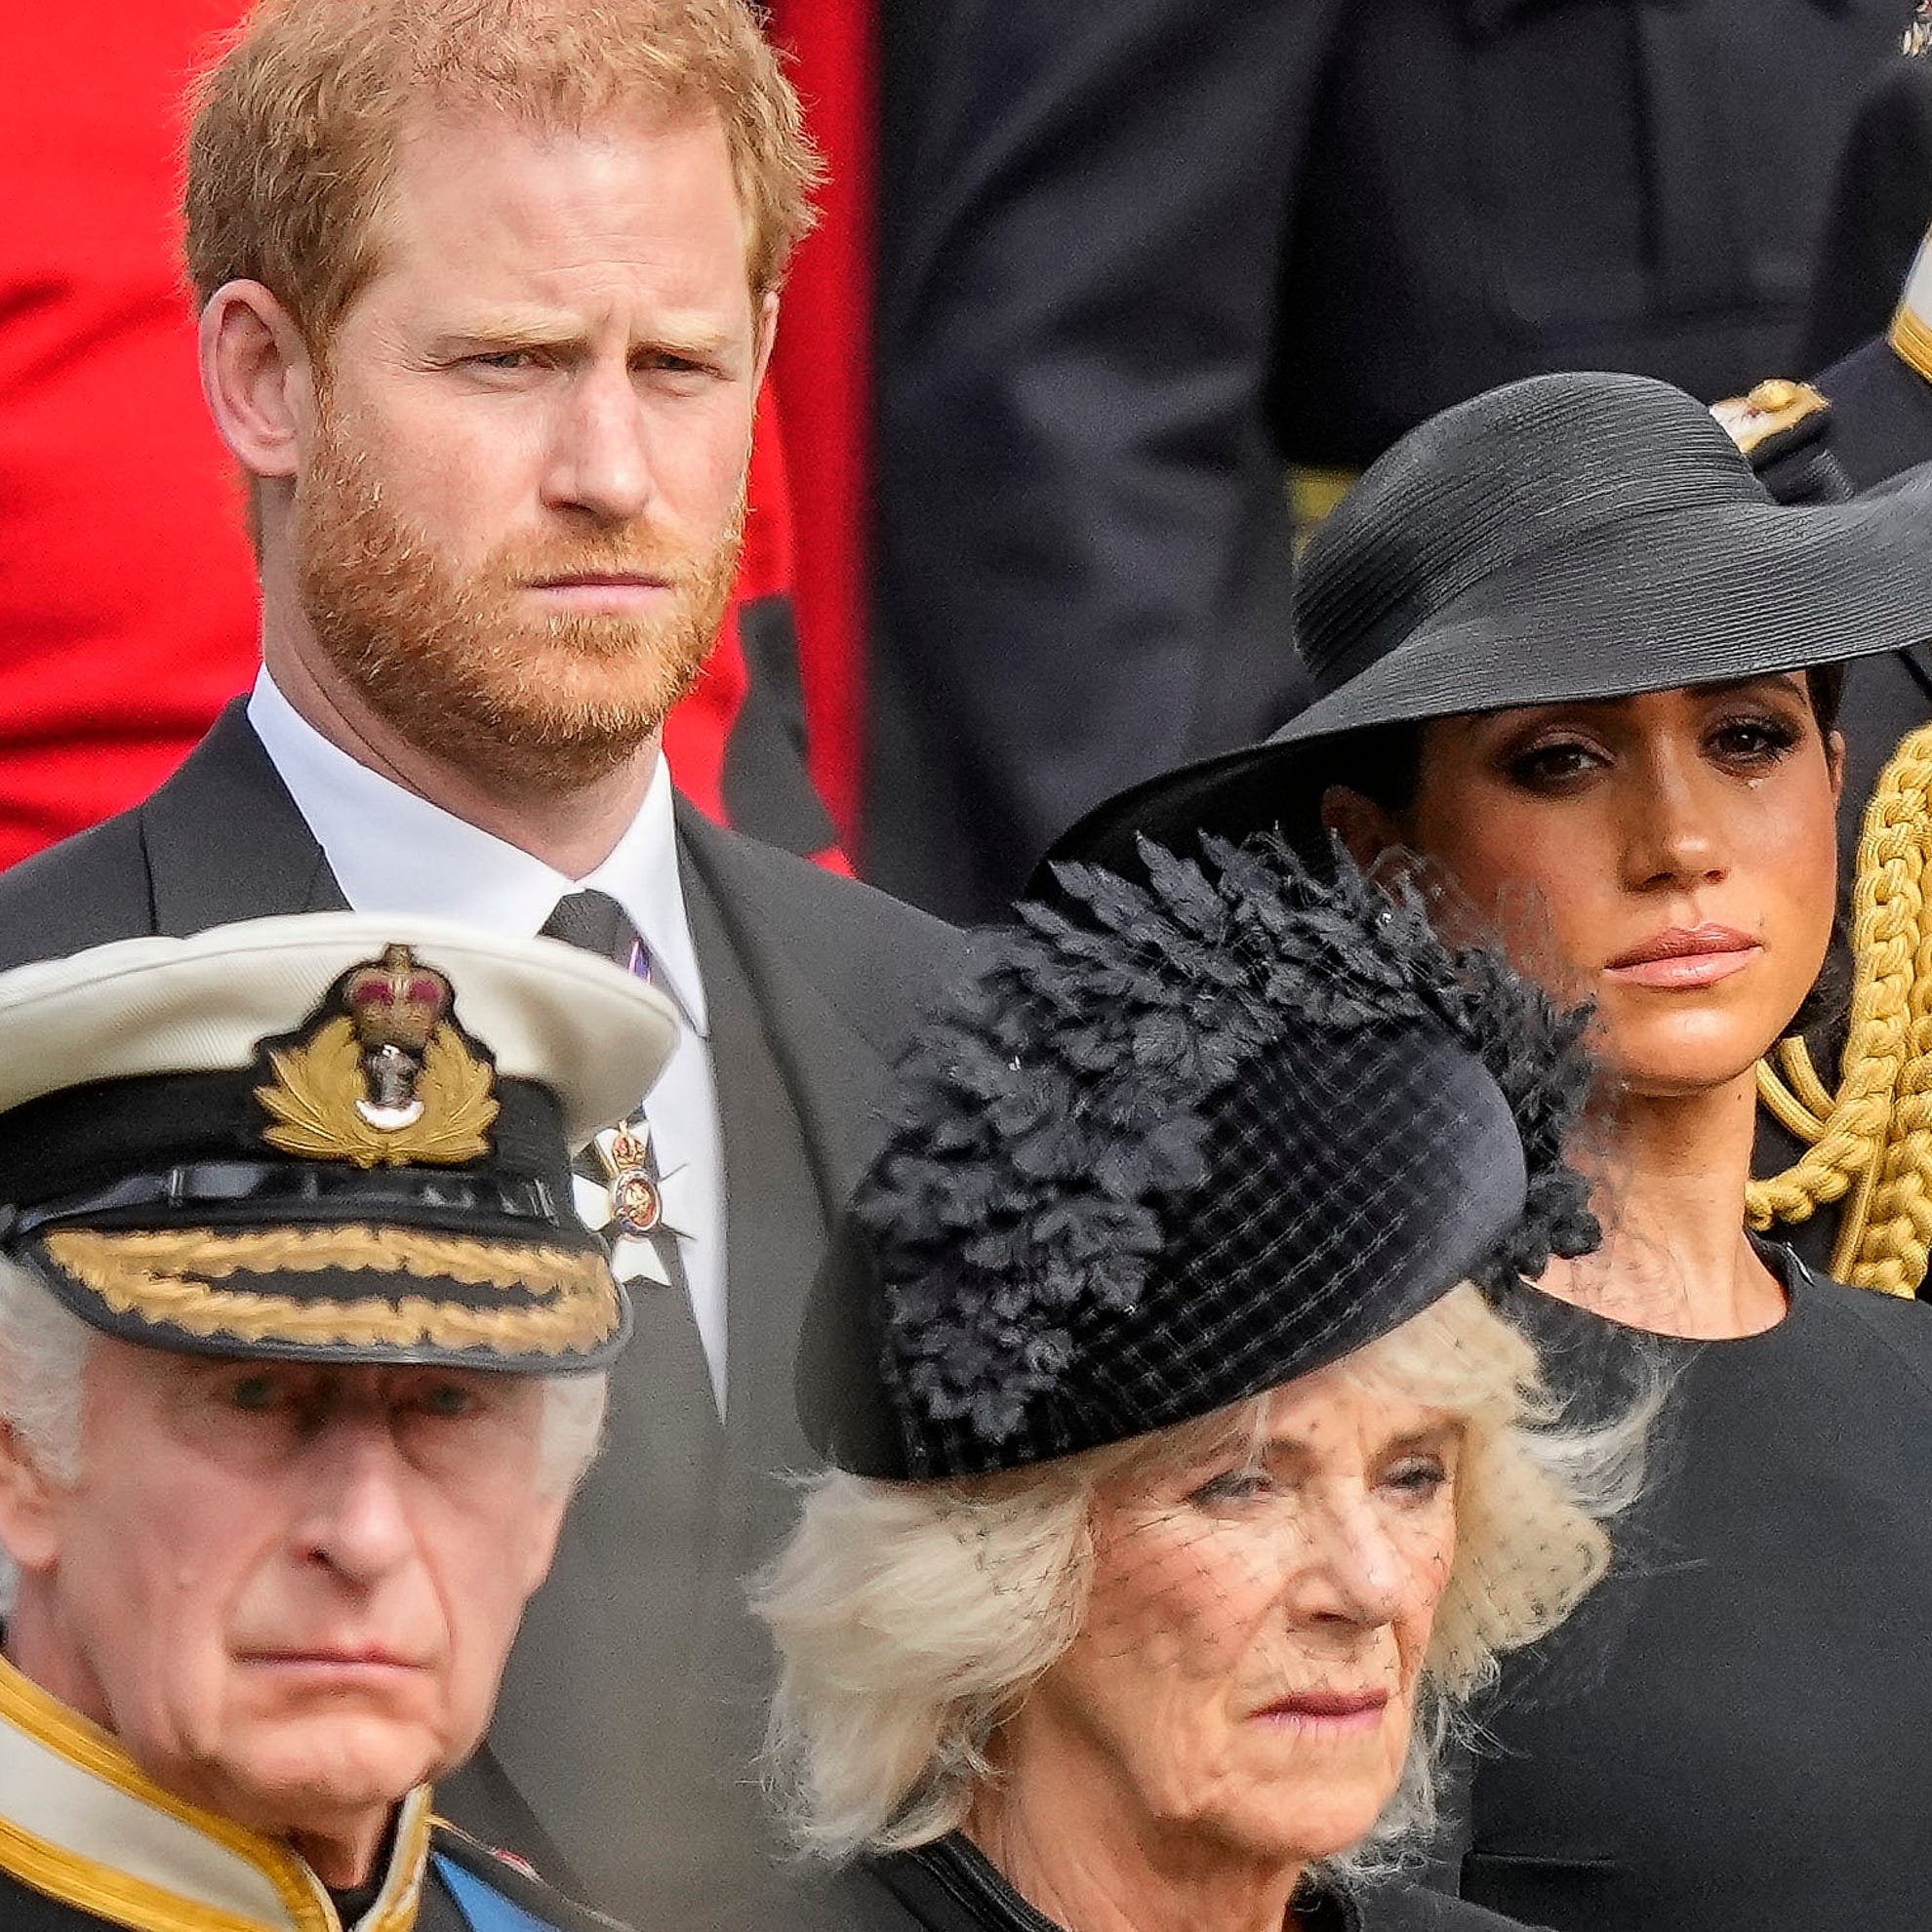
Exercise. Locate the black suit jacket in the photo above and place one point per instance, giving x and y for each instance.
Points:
(633, 1701)
(1133, 256)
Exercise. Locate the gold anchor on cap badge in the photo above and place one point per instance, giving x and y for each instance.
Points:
(397, 1006)
(391, 1082)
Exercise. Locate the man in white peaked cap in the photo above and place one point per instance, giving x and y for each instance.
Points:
(303, 1349)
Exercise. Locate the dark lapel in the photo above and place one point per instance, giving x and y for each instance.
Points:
(224, 840)
(797, 1091)
(834, 1072)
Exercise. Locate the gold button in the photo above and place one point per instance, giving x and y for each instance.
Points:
(1774, 395)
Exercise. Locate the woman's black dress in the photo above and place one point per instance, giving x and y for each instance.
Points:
(949, 1887)
(1735, 1730)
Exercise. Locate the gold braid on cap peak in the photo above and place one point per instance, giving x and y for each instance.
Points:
(1872, 1140)
(169, 1277)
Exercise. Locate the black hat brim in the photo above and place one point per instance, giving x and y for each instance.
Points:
(1703, 596)
(1268, 1276)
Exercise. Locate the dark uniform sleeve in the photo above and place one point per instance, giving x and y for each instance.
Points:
(1881, 201)
(1083, 571)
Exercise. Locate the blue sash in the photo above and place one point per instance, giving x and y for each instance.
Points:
(486, 1908)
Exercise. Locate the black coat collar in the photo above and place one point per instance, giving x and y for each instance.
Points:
(224, 840)
(949, 1886)
(778, 930)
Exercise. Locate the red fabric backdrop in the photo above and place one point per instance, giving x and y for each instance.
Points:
(127, 600)
(823, 375)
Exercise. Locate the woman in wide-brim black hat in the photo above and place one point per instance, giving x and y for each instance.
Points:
(1571, 653)
(1185, 1484)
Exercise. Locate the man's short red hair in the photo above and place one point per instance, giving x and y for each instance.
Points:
(297, 126)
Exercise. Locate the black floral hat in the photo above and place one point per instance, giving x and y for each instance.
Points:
(1174, 1144)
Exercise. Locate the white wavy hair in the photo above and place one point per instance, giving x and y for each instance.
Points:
(912, 1619)
(43, 1357)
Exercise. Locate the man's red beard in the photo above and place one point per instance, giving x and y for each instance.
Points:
(462, 671)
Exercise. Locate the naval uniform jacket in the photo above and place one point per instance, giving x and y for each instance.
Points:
(620, 1757)
(1876, 425)
(87, 1840)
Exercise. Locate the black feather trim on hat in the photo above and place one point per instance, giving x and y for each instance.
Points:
(1050, 1130)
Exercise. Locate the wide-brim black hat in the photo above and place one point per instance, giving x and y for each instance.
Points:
(1569, 537)
(332, 1138)
(1177, 1145)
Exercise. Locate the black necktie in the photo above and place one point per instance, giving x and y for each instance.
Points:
(606, 1708)
(594, 921)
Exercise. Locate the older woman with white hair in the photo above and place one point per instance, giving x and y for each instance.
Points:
(1185, 1478)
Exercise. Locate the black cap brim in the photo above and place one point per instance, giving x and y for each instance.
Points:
(342, 1292)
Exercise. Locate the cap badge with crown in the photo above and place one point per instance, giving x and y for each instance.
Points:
(388, 1082)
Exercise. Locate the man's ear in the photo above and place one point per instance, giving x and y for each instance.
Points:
(1363, 827)
(538, 1540)
(258, 375)
(29, 1522)
(767, 334)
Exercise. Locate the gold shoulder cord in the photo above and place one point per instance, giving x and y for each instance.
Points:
(1872, 1139)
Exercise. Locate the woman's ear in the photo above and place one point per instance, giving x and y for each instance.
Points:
(1363, 827)
(1834, 763)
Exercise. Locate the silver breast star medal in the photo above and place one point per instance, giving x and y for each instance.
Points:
(637, 1211)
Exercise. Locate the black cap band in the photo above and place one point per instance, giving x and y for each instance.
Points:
(296, 1193)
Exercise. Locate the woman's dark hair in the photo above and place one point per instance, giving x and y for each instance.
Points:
(1384, 762)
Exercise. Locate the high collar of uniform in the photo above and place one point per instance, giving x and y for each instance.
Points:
(80, 1822)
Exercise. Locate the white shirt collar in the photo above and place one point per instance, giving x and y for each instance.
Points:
(392, 851)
